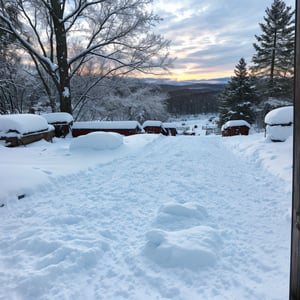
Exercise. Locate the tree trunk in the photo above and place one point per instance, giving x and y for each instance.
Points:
(62, 57)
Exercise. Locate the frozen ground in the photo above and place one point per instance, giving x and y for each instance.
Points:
(186, 217)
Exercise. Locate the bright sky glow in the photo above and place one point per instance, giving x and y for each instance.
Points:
(208, 37)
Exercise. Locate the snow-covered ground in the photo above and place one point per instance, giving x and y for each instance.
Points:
(185, 217)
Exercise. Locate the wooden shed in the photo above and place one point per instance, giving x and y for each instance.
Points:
(61, 121)
(279, 123)
(235, 127)
(171, 128)
(23, 129)
(155, 127)
(122, 127)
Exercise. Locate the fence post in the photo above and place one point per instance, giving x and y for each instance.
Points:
(295, 242)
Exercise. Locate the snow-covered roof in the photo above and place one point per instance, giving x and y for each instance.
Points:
(281, 115)
(107, 125)
(57, 117)
(152, 123)
(22, 123)
(235, 123)
(169, 125)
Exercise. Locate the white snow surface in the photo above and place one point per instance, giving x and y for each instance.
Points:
(22, 123)
(281, 115)
(57, 117)
(158, 217)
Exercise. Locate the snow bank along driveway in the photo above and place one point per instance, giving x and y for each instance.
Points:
(182, 218)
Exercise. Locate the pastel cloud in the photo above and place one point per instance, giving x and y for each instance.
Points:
(210, 36)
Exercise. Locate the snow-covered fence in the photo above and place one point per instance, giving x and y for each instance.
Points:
(22, 129)
(122, 127)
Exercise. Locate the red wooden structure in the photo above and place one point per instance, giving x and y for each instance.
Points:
(235, 127)
(122, 127)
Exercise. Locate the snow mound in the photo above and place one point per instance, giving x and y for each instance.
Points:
(281, 115)
(235, 123)
(58, 117)
(192, 248)
(97, 141)
(22, 124)
(278, 133)
(153, 123)
(173, 216)
(189, 210)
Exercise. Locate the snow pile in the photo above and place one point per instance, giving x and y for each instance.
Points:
(174, 216)
(277, 158)
(152, 123)
(235, 123)
(192, 248)
(22, 124)
(279, 123)
(58, 117)
(97, 141)
(280, 116)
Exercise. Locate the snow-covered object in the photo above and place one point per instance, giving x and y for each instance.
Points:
(192, 248)
(58, 117)
(235, 123)
(279, 123)
(97, 141)
(152, 123)
(22, 124)
(169, 125)
(107, 125)
(280, 116)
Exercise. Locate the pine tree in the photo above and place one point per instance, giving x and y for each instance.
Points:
(274, 58)
(238, 99)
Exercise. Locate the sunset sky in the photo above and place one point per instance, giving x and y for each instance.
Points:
(208, 37)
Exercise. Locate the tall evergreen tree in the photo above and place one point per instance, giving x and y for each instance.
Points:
(238, 99)
(274, 58)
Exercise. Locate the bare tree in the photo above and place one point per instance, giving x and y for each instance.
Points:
(62, 36)
(118, 98)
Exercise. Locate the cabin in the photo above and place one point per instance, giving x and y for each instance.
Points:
(235, 127)
(155, 127)
(61, 121)
(279, 123)
(171, 128)
(23, 129)
(125, 128)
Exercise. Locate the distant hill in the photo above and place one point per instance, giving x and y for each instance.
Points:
(193, 97)
(159, 81)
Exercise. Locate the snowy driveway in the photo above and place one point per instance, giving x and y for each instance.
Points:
(183, 218)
